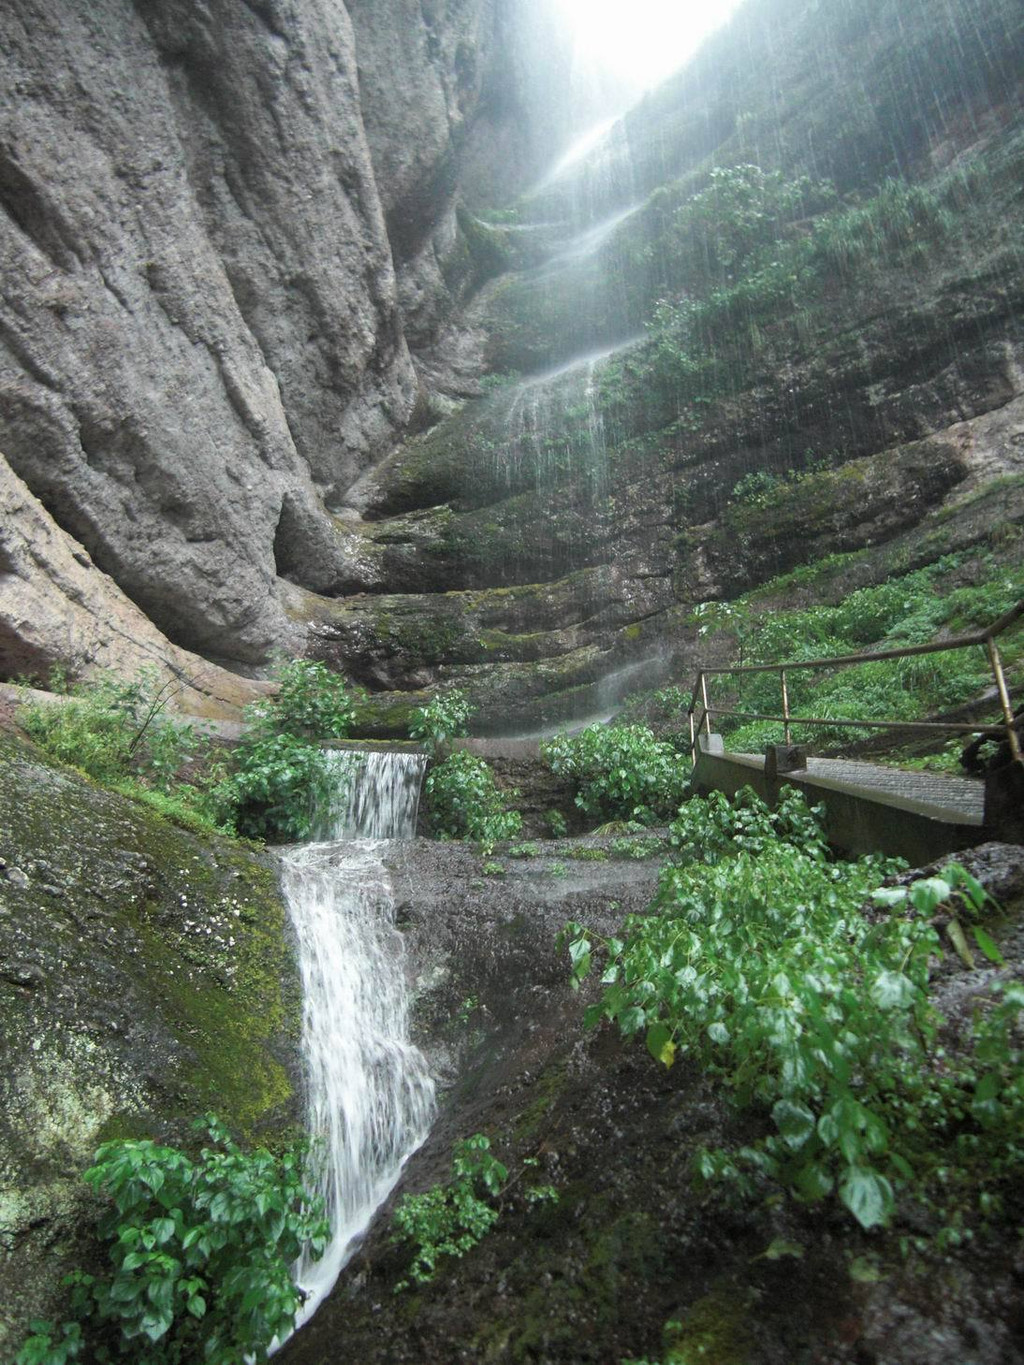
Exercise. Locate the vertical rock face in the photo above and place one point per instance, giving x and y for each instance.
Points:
(201, 342)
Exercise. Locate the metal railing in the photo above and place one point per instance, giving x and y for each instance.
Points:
(701, 710)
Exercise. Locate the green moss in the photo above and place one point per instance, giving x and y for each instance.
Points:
(387, 715)
(232, 1025)
(548, 1087)
(716, 1329)
(192, 926)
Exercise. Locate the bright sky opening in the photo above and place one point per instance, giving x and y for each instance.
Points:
(642, 41)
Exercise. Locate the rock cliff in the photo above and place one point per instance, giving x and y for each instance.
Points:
(202, 334)
(268, 355)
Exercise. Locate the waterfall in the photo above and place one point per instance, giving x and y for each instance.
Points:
(375, 795)
(371, 1098)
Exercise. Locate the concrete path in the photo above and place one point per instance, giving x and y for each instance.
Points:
(962, 797)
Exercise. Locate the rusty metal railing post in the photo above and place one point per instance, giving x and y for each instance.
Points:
(1004, 698)
(786, 733)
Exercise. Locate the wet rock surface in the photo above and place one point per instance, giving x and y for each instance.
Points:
(145, 979)
(632, 1243)
(202, 339)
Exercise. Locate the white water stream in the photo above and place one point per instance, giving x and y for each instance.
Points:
(371, 1097)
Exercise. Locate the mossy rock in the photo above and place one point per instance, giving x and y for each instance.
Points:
(149, 974)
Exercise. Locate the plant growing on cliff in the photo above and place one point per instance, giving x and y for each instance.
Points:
(200, 1251)
(620, 771)
(465, 803)
(446, 716)
(280, 770)
(113, 729)
(449, 1220)
(763, 968)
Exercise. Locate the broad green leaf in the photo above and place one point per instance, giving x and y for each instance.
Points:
(813, 1182)
(966, 884)
(893, 990)
(867, 1195)
(717, 1032)
(794, 1121)
(660, 1044)
(929, 893)
(163, 1229)
(988, 947)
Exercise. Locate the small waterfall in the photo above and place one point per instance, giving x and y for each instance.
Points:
(371, 1098)
(376, 795)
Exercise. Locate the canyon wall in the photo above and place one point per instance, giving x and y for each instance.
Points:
(271, 359)
(202, 328)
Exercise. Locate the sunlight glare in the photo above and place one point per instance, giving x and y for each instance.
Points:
(640, 42)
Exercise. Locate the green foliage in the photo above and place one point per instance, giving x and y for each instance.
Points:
(201, 1253)
(449, 1220)
(524, 850)
(742, 211)
(311, 703)
(280, 770)
(446, 716)
(465, 803)
(756, 487)
(751, 255)
(708, 830)
(761, 966)
(113, 730)
(637, 849)
(899, 216)
(275, 785)
(621, 772)
(907, 610)
(556, 823)
(119, 733)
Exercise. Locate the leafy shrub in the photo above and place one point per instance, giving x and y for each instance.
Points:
(465, 803)
(280, 770)
(312, 702)
(763, 969)
(200, 1250)
(449, 1220)
(621, 772)
(905, 610)
(275, 786)
(756, 488)
(112, 729)
(445, 717)
(710, 829)
(119, 734)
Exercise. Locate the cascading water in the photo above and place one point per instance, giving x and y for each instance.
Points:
(371, 1097)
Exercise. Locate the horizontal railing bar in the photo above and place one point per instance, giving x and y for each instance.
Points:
(944, 727)
(1006, 620)
(904, 652)
(908, 651)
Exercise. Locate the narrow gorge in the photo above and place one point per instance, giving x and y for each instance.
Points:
(392, 338)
